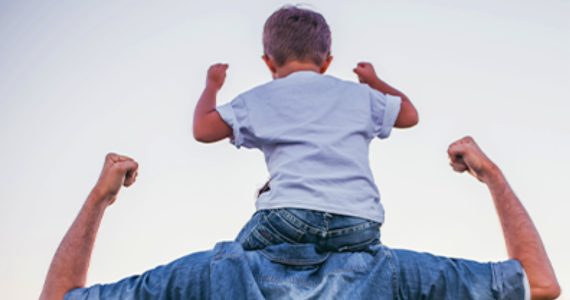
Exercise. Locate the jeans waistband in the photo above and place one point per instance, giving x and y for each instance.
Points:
(289, 217)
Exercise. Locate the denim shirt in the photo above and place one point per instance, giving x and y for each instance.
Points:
(299, 272)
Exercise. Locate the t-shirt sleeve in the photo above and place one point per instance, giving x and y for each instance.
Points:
(236, 115)
(385, 110)
(185, 278)
(425, 276)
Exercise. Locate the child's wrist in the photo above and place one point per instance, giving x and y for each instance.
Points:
(377, 80)
(213, 87)
(372, 81)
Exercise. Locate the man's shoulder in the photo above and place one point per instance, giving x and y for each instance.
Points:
(197, 263)
(301, 255)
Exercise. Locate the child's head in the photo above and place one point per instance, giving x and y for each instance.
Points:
(296, 34)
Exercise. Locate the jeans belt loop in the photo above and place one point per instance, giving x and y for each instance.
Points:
(326, 218)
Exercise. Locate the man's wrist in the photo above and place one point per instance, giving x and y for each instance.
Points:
(97, 196)
(492, 174)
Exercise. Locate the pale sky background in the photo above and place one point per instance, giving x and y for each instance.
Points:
(79, 79)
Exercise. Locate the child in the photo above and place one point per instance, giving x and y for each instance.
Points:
(315, 132)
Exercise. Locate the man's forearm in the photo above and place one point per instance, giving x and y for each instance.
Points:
(522, 239)
(68, 269)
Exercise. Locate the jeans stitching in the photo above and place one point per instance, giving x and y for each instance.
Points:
(346, 230)
(283, 236)
(388, 254)
(361, 226)
(250, 236)
(285, 215)
(249, 233)
(296, 262)
(256, 234)
(360, 245)
(272, 235)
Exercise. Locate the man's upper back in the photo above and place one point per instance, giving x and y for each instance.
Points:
(299, 272)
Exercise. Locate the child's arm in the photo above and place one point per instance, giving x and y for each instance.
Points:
(408, 116)
(209, 126)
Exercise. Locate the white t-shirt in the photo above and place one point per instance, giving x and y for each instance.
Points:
(315, 132)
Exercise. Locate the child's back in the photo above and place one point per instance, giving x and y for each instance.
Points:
(315, 131)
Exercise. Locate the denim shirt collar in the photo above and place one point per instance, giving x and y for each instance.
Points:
(286, 254)
(295, 255)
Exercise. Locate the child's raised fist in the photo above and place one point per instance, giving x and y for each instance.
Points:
(365, 72)
(217, 75)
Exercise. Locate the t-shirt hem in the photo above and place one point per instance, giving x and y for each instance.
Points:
(376, 217)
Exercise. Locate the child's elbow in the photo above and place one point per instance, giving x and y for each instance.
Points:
(407, 121)
(414, 119)
(201, 136)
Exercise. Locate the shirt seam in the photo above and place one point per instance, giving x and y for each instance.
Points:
(249, 121)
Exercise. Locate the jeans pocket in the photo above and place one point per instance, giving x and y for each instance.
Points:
(272, 230)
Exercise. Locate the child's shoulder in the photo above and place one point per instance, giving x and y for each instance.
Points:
(329, 81)
(298, 83)
(345, 85)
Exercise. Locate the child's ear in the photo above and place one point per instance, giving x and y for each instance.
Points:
(325, 65)
(270, 64)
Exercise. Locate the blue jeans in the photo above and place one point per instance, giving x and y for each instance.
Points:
(327, 231)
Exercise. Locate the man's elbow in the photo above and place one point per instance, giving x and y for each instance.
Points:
(549, 292)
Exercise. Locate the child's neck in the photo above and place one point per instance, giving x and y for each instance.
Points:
(295, 66)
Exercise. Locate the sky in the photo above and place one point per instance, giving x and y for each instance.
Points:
(80, 79)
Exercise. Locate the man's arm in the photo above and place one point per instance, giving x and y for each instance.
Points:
(521, 237)
(68, 269)
(408, 116)
(209, 126)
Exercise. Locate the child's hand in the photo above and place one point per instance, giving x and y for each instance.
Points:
(365, 72)
(217, 75)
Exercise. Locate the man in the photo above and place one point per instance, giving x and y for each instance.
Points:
(299, 272)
